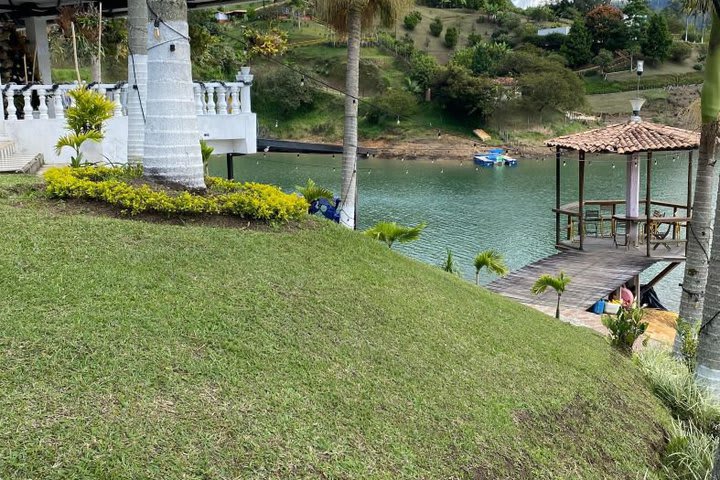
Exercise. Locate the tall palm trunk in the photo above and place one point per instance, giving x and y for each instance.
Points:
(137, 79)
(350, 139)
(96, 68)
(708, 366)
(172, 142)
(557, 308)
(699, 231)
(477, 277)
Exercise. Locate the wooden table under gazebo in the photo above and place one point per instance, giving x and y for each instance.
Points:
(624, 240)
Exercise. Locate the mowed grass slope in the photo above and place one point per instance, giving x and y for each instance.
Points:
(138, 350)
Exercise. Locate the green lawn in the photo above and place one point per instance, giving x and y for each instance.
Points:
(142, 350)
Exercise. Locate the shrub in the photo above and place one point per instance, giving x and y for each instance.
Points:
(391, 232)
(84, 120)
(625, 327)
(689, 452)
(473, 39)
(680, 51)
(451, 37)
(423, 69)
(412, 20)
(698, 67)
(284, 92)
(224, 197)
(449, 264)
(206, 152)
(312, 191)
(688, 334)
(675, 385)
(436, 27)
(391, 105)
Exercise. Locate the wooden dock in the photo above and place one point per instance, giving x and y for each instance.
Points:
(289, 146)
(593, 275)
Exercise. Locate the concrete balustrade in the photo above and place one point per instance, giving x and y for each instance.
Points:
(35, 118)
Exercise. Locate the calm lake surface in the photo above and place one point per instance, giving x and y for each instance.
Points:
(467, 209)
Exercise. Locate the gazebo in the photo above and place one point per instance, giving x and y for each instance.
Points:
(630, 228)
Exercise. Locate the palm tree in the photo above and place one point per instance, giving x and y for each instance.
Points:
(391, 232)
(449, 265)
(559, 284)
(172, 149)
(312, 191)
(349, 16)
(137, 79)
(700, 237)
(492, 260)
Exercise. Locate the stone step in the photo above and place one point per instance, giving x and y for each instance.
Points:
(21, 163)
(7, 148)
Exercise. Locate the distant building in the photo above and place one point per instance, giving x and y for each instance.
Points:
(543, 32)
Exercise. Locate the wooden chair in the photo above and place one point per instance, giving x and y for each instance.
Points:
(620, 233)
(592, 221)
(656, 235)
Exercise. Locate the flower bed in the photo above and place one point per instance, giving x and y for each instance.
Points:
(122, 187)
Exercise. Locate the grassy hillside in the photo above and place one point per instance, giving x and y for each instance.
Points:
(141, 350)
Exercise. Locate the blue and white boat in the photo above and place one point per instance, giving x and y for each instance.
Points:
(495, 157)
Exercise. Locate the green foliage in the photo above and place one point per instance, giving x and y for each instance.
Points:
(559, 284)
(312, 191)
(635, 8)
(491, 260)
(84, 120)
(607, 27)
(436, 27)
(559, 88)
(412, 20)
(390, 106)
(206, 152)
(688, 333)
(246, 200)
(578, 45)
(541, 13)
(680, 51)
(674, 384)
(625, 327)
(283, 92)
(448, 265)
(391, 232)
(487, 57)
(689, 452)
(657, 43)
(451, 37)
(466, 94)
(596, 85)
(423, 69)
(603, 59)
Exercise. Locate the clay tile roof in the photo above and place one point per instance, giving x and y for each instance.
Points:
(630, 137)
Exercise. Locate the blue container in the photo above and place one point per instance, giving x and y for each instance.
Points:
(599, 307)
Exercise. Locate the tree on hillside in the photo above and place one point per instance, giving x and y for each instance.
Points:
(559, 88)
(607, 28)
(172, 151)
(559, 284)
(466, 94)
(603, 60)
(657, 39)
(578, 46)
(349, 16)
(635, 8)
(137, 79)
(487, 56)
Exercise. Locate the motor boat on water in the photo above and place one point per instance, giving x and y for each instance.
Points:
(495, 157)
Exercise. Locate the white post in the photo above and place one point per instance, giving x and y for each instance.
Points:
(245, 93)
(210, 101)
(59, 107)
(27, 108)
(36, 30)
(222, 102)
(42, 108)
(117, 93)
(12, 111)
(199, 108)
(2, 110)
(632, 195)
(234, 100)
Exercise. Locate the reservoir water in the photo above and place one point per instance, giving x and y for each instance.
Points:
(467, 209)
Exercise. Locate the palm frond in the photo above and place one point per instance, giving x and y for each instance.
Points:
(75, 140)
(312, 191)
(449, 264)
(559, 283)
(335, 12)
(491, 260)
(206, 151)
(391, 232)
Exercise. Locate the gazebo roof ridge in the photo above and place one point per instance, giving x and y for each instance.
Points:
(628, 138)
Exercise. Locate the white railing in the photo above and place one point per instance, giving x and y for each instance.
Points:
(37, 102)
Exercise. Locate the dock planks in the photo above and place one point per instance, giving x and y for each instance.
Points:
(593, 275)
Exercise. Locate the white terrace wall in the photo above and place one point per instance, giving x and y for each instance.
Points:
(224, 117)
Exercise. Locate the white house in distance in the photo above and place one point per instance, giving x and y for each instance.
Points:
(543, 32)
(34, 114)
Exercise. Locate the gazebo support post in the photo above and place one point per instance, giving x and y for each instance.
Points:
(688, 212)
(632, 197)
(581, 199)
(648, 199)
(557, 196)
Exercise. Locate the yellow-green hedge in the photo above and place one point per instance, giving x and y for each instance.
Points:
(224, 197)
